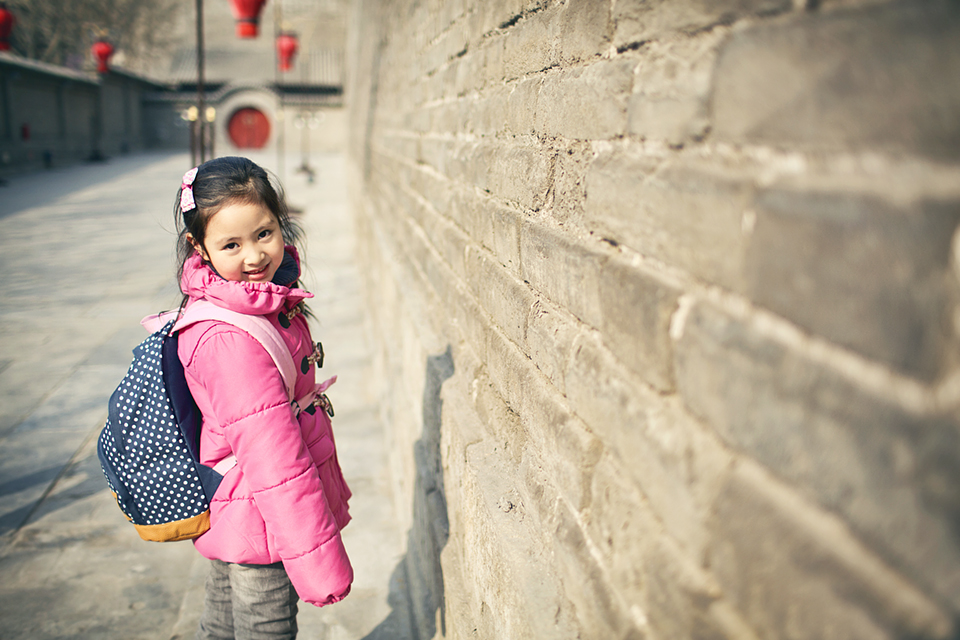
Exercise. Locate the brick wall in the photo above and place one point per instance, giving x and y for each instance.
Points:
(665, 296)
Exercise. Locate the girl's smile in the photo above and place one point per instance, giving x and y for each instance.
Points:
(243, 243)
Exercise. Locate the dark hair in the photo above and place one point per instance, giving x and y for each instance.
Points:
(224, 181)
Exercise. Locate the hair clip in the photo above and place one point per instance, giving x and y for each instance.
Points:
(186, 191)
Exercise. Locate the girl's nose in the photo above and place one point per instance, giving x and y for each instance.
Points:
(254, 257)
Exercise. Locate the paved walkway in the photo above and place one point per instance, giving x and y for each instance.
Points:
(86, 252)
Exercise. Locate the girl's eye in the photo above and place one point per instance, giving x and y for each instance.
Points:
(231, 246)
(265, 233)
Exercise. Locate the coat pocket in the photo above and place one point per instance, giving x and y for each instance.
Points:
(321, 449)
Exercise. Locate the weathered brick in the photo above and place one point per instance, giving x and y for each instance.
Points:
(550, 338)
(507, 300)
(679, 594)
(636, 305)
(585, 30)
(522, 105)
(644, 20)
(516, 580)
(859, 271)
(560, 444)
(601, 611)
(511, 372)
(565, 272)
(796, 572)
(518, 173)
(686, 214)
(671, 91)
(870, 77)
(660, 447)
(854, 451)
(588, 103)
(532, 45)
(488, 114)
(495, 14)
(431, 186)
(492, 225)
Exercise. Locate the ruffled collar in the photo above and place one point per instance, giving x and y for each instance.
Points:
(200, 280)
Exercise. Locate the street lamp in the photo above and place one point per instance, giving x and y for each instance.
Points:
(247, 14)
(7, 20)
(102, 50)
(287, 46)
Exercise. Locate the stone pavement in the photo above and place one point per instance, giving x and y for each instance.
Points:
(87, 251)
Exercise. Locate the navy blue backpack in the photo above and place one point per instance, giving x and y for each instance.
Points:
(149, 449)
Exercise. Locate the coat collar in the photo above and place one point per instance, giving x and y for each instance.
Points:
(258, 298)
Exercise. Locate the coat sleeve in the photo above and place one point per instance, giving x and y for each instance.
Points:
(247, 394)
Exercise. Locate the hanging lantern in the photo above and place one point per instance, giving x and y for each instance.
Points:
(102, 50)
(247, 14)
(287, 46)
(7, 21)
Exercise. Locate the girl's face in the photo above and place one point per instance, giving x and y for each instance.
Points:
(243, 243)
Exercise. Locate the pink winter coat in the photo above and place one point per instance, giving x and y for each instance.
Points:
(286, 498)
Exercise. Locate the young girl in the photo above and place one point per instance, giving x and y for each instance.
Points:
(275, 520)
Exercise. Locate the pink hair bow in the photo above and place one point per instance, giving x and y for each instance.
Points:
(186, 191)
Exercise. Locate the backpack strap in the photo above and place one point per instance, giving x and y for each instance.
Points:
(262, 331)
(257, 326)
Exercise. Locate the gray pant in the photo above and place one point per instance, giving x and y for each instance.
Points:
(248, 602)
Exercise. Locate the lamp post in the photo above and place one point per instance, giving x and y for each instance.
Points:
(201, 142)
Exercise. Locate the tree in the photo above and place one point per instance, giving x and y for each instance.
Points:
(62, 31)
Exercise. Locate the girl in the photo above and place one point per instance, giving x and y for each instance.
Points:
(275, 520)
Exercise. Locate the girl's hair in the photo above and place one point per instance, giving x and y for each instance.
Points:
(230, 180)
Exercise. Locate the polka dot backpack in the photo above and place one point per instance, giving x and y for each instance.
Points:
(149, 449)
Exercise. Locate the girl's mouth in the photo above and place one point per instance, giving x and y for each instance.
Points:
(258, 273)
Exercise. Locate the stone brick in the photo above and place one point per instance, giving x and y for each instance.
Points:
(637, 304)
(587, 103)
(494, 14)
(507, 300)
(585, 30)
(679, 595)
(685, 214)
(431, 186)
(532, 44)
(796, 572)
(511, 372)
(869, 77)
(559, 443)
(601, 611)
(550, 338)
(859, 271)
(660, 448)
(505, 239)
(513, 577)
(518, 173)
(565, 272)
(435, 152)
(522, 105)
(644, 20)
(853, 451)
(451, 243)
(569, 188)
(671, 92)
(502, 422)
(489, 114)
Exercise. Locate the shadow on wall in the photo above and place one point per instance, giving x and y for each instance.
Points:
(416, 585)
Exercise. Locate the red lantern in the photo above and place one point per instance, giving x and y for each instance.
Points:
(287, 46)
(7, 21)
(102, 50)
(247, 14)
